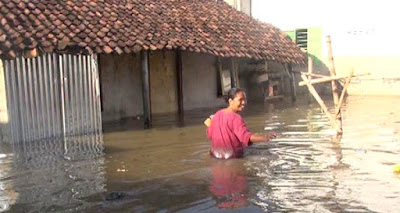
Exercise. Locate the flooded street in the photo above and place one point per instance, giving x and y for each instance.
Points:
(168, 168)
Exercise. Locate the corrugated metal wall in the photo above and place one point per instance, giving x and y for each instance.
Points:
(52, 96)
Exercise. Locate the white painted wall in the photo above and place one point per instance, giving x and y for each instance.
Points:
(363, 33)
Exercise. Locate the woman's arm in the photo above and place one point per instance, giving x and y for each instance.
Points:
(262, 138)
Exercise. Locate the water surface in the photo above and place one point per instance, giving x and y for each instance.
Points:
(168, 168)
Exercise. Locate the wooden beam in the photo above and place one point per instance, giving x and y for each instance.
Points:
(322, 104)
(146, 88)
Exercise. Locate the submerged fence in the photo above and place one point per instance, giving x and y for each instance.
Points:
(52, 96)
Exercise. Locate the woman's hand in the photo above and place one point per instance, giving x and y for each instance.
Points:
(255, 138)
(272, 135)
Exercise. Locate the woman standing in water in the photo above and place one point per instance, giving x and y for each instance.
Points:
(228, 132)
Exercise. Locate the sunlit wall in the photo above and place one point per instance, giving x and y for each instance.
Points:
(363, 36)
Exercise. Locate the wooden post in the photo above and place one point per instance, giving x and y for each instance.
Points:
(322, 104)
(233, 70)
(180, 84)
(221, 76)
(146, 89)
(292, 82)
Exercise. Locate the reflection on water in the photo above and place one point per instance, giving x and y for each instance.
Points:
(228, 184)
(51, 175)
(168, 168)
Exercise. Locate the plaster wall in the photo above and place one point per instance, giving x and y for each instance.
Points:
(121, 86)
(199, 81)
(163, 82)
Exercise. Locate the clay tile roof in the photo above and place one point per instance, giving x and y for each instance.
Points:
(124, 26)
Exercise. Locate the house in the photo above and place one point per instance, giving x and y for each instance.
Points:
(68, 66)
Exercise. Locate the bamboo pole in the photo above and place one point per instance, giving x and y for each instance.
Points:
(309, 75)
(310, 67)
(344, 91)
(332, 71)
(327, 79)
(322, 104)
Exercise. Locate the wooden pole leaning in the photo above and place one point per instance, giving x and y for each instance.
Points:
(344, 91)
(332, 119)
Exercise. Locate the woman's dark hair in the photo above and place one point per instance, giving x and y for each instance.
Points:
(232, 93)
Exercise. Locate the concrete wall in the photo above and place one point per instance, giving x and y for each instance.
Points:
(3, 106)
(121, 86)
(200, 81)
(163, 82)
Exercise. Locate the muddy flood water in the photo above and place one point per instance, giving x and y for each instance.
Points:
(168, 168)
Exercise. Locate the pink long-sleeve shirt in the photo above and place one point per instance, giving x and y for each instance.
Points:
(228, 134)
